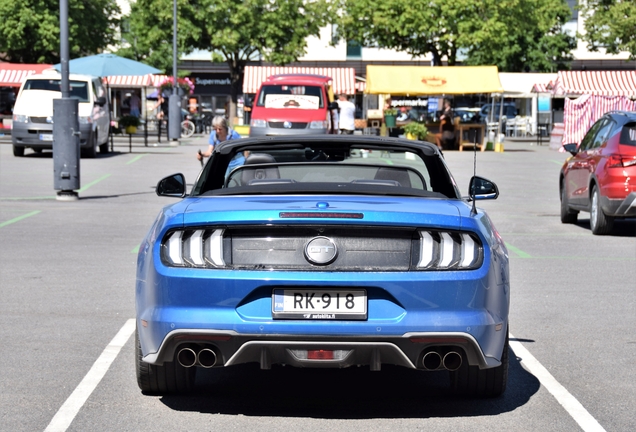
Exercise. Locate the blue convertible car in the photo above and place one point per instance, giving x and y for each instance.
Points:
(323, 252)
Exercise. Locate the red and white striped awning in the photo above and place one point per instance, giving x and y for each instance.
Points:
(599, 83)
(158, 79)
(543, 87)
(12, 75)
(129, 81)
(361, 86)
(343, 79)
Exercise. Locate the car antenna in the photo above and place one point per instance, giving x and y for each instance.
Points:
(473, 210)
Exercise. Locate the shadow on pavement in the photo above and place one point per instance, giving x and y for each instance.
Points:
(353, 393)
(622, 227)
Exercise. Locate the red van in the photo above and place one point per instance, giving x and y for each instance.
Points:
(293, 104)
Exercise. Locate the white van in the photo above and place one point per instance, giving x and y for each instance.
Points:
(33, 113)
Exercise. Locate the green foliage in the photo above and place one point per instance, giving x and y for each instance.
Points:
(150, 31)
(128, 120)
(610, 24)
(390, 112)
(417, 27)
(418, 130)
(233, 31)
(30, 29)
(519, 35)
(513, 34)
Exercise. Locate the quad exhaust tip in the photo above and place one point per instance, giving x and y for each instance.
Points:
(187, 357)
(206, 358)
(452, 361)
(433, 360)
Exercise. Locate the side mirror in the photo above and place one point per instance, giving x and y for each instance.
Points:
(482, 189)
(101, 101)
(172, 186)
(571, 148)
(333, 105)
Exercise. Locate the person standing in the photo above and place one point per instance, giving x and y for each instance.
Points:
(220, 132)
(135, 105)
(347, 110)
(446, 125)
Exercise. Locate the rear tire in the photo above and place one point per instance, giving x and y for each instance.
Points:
(567, 216)
(166, 379)
(486, 383)
(599, 223)
(18, 151)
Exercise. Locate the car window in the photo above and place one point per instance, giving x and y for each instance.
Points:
(628, 134)
(603, 132)
(79, 89)
(290, 96)
(315, 169)
(588, 139)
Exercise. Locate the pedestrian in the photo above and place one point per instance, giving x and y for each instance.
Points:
(135, 105)
(346, 116)
(220, 132)
(446, 125)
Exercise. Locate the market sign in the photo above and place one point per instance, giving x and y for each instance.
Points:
(432, 80)
(211, 83)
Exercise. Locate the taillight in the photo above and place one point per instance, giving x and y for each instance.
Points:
(193, 248)
(614, 161)
(629, 161)
(441, 250)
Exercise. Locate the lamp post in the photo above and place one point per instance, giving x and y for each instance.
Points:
(174, 103)
(66, 133)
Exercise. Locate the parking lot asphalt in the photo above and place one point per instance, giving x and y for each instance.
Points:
(67, 277)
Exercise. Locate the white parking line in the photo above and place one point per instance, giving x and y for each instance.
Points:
(67, 412)
(564, 397)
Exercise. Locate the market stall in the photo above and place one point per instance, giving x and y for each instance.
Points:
(589, 95)
(518, 87)
(437, 81)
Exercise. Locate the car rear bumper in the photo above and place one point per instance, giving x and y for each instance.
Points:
(619, 207)
(408, 350)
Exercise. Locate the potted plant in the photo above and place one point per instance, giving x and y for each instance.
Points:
(130, 123)
(389, 117)
(416, 131)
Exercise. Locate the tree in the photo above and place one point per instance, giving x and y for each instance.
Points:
(417, 27)
(513, 34)
(234, 32)
(147, 31)
(30, 29)
(610, 24)
(519, 35)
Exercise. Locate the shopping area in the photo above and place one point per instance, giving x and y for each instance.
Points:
(528, 104)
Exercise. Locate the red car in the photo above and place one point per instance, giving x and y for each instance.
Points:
(600, 177)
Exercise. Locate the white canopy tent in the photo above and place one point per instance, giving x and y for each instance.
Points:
(520, 85)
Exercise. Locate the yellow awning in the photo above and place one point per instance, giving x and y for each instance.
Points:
(432, 80)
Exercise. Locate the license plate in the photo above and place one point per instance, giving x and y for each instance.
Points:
(319, 304)
(46, 137)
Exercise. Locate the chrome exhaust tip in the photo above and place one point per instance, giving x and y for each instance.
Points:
(206, 358)
(431, 360)
(187, 357)
(452, 361)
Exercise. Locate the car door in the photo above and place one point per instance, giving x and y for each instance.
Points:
(577, 173)
(596, 154)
